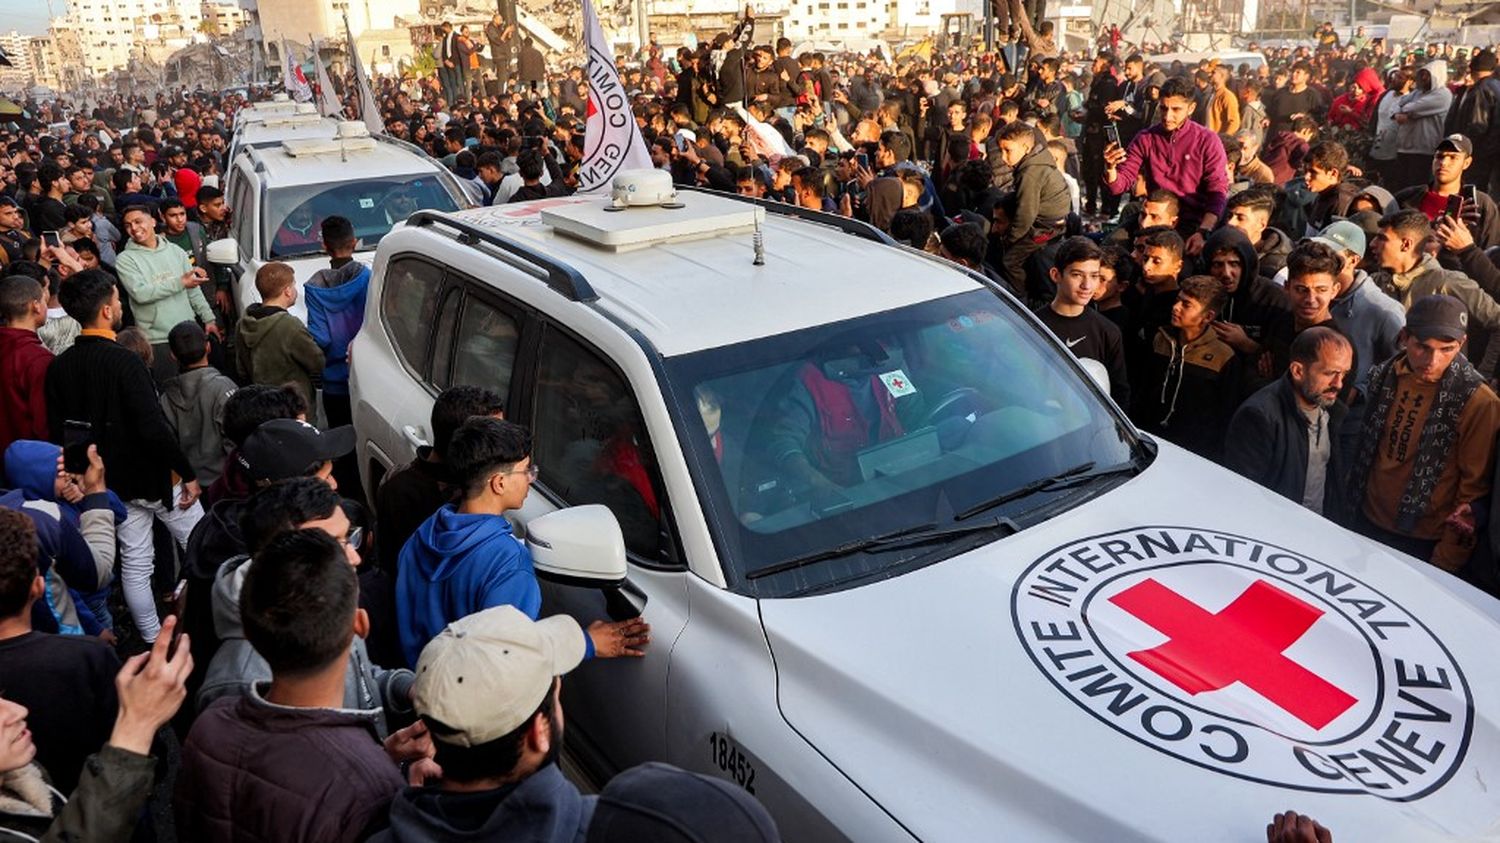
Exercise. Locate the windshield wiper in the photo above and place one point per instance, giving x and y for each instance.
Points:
(1081, 473)
(905, 537)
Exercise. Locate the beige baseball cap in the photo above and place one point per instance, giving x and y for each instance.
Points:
(485, 674)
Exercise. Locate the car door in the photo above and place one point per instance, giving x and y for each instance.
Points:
(391, 363)
(591, 447)
(241, 200)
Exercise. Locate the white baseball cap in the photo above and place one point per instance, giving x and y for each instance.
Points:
(486, 674)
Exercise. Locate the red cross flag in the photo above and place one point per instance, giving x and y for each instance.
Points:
(292, 77)
(612, 141)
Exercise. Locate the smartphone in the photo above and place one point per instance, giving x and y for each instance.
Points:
(1471, 195)
(1455, 206)
(1112, 134)
(51, 239)
(862, 160)
(77, 437)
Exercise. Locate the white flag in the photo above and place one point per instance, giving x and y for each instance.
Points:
(292, 77)
(369, 111)
(611, 140)
(328, 99)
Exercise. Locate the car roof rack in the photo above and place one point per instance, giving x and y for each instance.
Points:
(401, 144)
(558, 275)
(847, 225)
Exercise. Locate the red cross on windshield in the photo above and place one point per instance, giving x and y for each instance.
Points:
(1244, 642)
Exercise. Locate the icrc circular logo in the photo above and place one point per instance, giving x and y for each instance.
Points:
(1249, 659)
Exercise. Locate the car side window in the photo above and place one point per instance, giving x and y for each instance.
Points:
(591, 444)
(242, 216)
(408, 302)
(442, 346)
(486, 351)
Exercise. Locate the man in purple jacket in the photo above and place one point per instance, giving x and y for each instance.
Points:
(1179, 156)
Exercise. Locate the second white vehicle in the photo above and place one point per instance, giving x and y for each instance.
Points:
(280, 194)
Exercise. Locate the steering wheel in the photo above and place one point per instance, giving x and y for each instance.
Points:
(957, 403)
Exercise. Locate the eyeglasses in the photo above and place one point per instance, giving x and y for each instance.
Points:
(355, 538)
(530, 471)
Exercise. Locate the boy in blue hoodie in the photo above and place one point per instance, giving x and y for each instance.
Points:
(465, 558)
(335, 311)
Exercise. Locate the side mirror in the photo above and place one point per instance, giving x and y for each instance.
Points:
(225, 252)
(580, 545)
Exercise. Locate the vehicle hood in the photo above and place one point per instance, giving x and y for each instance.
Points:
(1104, 675)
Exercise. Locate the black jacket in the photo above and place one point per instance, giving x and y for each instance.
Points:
(770, 83)
(1190, 391)
(214, 540)
(1476, 112)
(103, 383)
(1256, 303)
(1267, 443)
(1104, 90)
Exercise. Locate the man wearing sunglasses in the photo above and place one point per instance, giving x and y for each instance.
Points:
(465, 559)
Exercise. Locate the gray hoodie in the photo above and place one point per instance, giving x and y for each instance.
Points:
(1371, 320)
(1380, 196)
(236, 665)
(1426, 110)
(194, 403)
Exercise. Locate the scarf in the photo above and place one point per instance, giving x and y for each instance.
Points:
(1439, 435)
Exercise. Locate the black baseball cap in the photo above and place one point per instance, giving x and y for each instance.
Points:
(1457, 143)
(664, 804)
(284, 448)
(1437, 318)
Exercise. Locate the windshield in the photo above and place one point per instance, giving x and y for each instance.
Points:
(294, 215)
(806, 441)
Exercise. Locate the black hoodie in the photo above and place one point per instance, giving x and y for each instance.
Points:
(1256, 303)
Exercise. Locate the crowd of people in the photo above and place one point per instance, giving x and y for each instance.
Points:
(1283, 268)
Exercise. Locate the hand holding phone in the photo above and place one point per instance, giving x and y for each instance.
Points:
(1112, 134)
(51, 239)
(77, 437)
(1455, 207)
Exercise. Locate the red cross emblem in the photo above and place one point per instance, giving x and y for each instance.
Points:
(897, 383)
(1244, 642)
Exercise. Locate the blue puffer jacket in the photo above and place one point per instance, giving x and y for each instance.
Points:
(335, 311)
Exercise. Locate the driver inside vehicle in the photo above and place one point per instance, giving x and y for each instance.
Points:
(843, 401)
(400, 205)
(297, 233)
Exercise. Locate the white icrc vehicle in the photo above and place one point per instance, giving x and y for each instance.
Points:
(1004, 614)
(288, 173)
